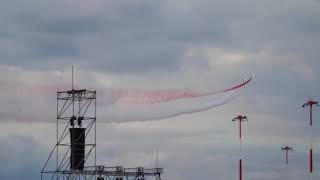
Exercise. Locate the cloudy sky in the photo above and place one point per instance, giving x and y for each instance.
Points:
(145, 44)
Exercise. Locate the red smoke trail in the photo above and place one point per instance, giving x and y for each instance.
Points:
(128, 105)
(160, 96)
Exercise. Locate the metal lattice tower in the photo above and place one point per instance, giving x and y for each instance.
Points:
(74, 155)
(76, 134)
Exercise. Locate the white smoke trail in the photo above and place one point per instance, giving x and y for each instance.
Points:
(122, 106)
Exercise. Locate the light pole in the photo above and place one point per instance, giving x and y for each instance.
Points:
(287, 149)
(310, 104)
(240, 119)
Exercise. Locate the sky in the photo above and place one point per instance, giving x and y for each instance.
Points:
(143, 44)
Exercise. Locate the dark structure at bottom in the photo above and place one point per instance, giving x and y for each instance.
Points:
(108, 173)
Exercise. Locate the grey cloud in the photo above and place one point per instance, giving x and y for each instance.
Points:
(144, 37)
(21, 157)
(157, 35)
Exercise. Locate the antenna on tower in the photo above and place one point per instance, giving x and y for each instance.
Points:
(72, 78)
(157, 158)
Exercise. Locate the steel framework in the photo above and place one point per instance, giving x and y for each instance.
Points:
(110, 173)
(76, 109)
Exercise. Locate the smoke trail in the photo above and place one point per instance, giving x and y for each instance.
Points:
(122, 106)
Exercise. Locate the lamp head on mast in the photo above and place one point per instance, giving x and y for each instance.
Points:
(310, 103)
(240, 118)
(287, 148)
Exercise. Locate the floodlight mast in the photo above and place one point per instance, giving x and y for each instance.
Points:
(240, 118)
(310, 104)
(287, 149)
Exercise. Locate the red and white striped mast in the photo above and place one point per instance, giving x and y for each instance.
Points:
(310, 104)
(240, 119)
